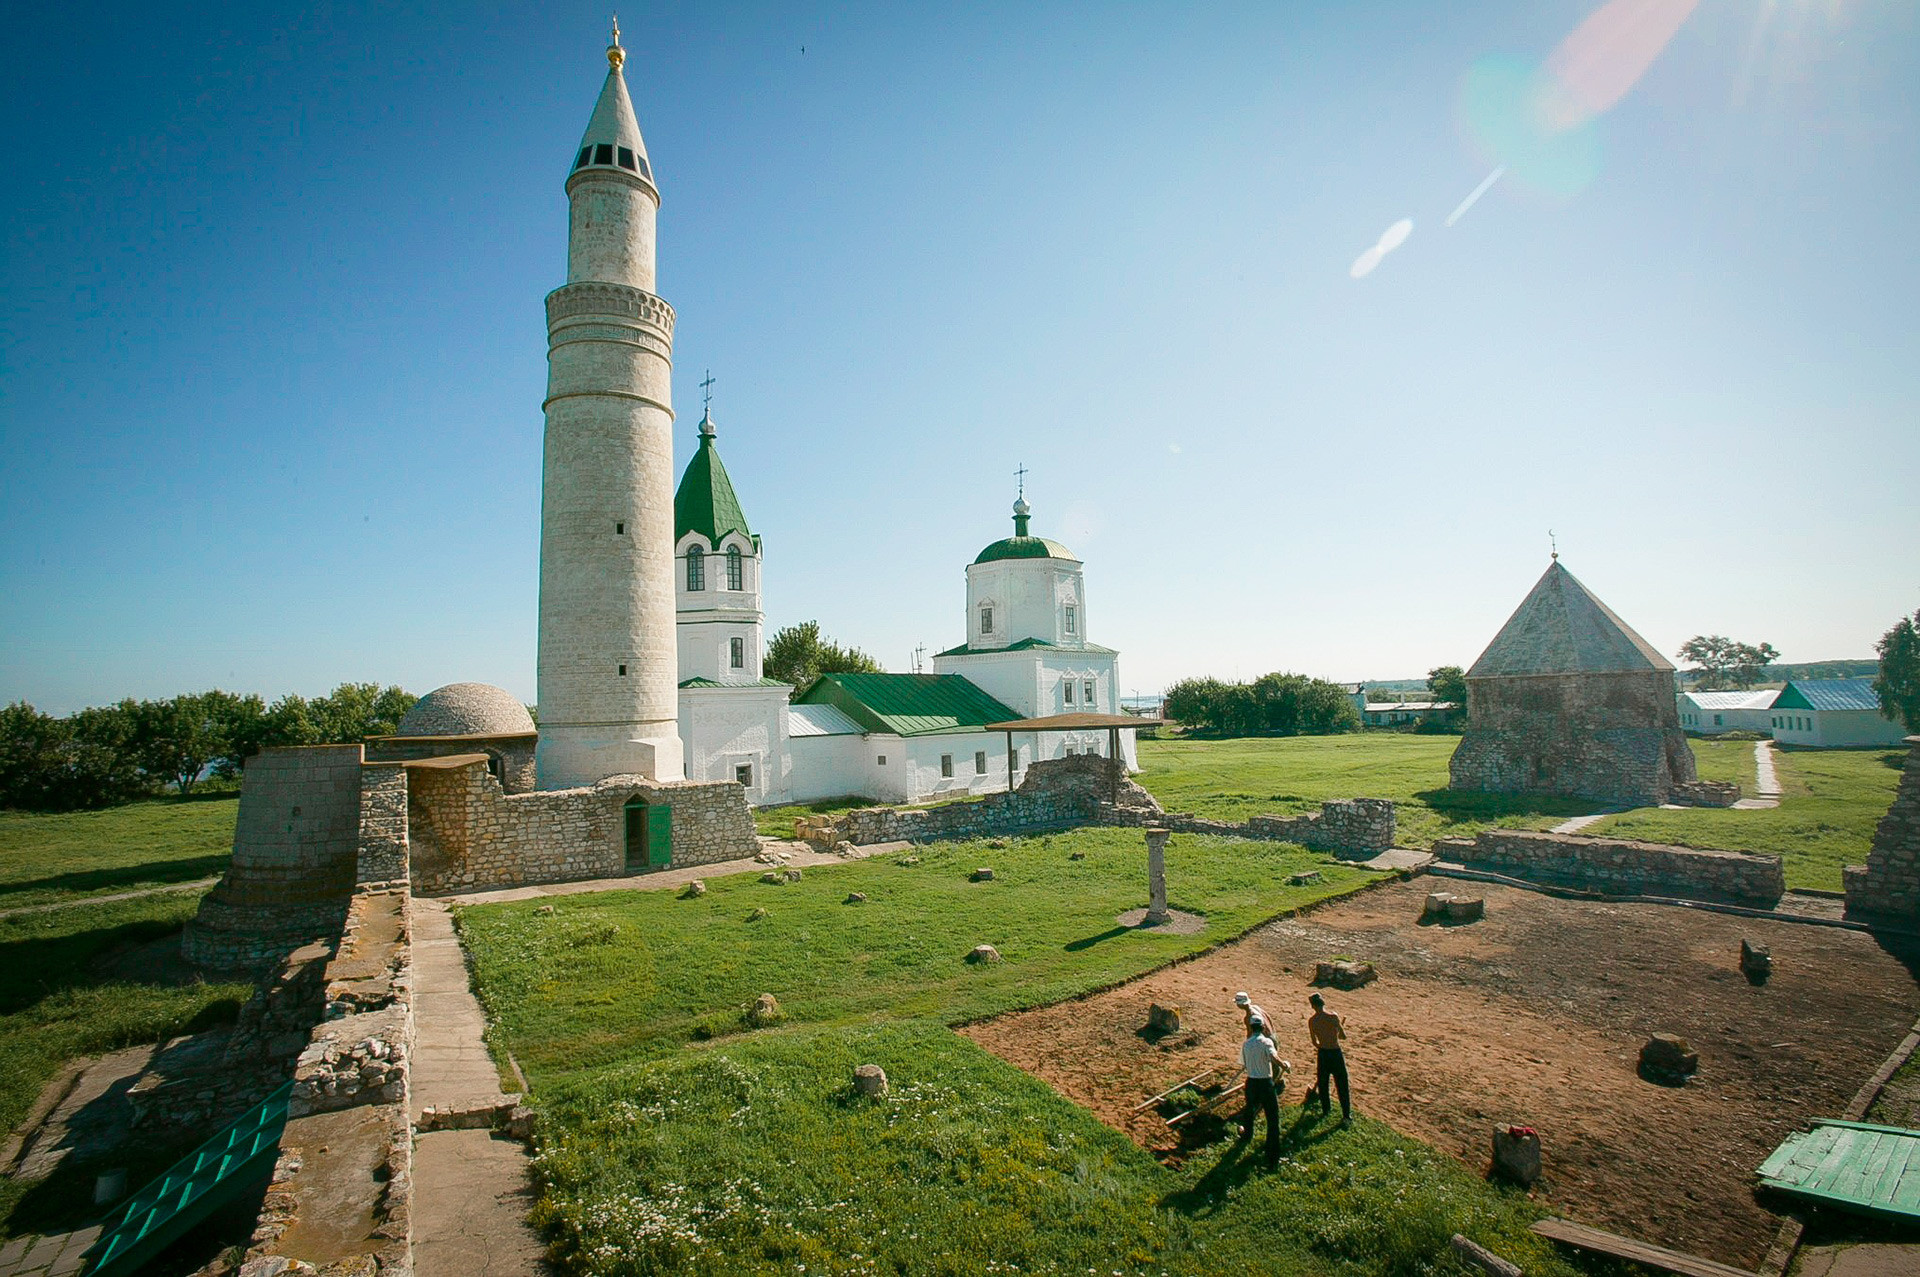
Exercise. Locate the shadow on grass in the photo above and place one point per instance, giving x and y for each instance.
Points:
(40, 966)
(1087, 942)
(1456, 806)
(160, 872)
(1242, 1159)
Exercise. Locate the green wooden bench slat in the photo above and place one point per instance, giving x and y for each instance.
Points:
(1858, 1149)
(1859, 1166)
(1891, 1149)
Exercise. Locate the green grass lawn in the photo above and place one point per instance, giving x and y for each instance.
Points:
(70, 855)
(1725, 760)
(675, 1140)
(1831, 801)
(1235, 779)
(78, 983)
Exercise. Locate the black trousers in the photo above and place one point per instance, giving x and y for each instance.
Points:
(1333, 1065)
(1262, 1096)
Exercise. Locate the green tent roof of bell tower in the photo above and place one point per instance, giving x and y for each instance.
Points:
(705, 502)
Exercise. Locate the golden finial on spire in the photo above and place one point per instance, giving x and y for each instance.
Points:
(615, 54)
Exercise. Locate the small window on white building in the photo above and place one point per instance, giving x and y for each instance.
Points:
(979, 762)
(946, 764)
(696, 568)
(1066, 691)
(1087, 696)
(1716, 720)
(744, 774)
(735, 574)
(1070, 618)
(880, 760)
(986, 620)
(737, 653)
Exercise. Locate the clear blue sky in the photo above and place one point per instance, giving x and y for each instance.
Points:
(272, 348)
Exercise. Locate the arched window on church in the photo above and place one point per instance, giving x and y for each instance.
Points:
(986, 618)
(734, 573)
(696, 568)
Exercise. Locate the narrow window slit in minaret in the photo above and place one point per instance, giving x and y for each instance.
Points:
(603, 153)
(619, 529)
(623, 671)
(586, 153)
(626, 158)
(644, 171)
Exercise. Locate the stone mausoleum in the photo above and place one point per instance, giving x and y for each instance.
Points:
(1568, 701)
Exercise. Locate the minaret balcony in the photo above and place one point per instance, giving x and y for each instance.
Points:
(594, 299)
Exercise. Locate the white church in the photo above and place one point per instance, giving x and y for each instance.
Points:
(897, 738)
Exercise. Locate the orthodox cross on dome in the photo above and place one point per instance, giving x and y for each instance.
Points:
(1021, 475)
(706, 388)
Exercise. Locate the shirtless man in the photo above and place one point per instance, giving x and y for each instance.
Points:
(1324, 1027)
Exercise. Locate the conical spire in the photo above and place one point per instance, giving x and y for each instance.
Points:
(705, 502)
(612, 139)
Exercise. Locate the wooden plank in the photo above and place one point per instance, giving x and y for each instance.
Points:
(1667, 1261)
(1783, 1164)
(1887, 1187)
(1822, 1175)
(1848, 1179)
(1889, 1150)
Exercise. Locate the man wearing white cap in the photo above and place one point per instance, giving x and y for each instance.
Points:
(1249, 1010)
(1265, 1074)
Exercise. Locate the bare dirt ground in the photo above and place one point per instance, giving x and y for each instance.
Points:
(1534, 1015)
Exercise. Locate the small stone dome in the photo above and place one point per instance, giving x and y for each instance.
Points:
(467, 709)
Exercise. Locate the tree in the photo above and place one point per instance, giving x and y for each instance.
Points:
(1448, 683)
(1725, 663)
(798, 655)
(1898, 685)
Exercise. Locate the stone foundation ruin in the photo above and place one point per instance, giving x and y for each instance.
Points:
(1888, 885)
(1621, 867)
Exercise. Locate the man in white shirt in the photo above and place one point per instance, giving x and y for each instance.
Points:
(1262, 1062)
(1249, 1009)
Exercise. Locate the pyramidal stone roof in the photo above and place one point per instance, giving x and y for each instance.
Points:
(1561, 628)
(705, 502)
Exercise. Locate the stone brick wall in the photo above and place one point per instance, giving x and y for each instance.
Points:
(1612, 738)
(511, 758)
(382, 853)
(465, 834)
(1088, 789)
(296, 846)
(1620, 867)
(1704, 793)
(1889, 883)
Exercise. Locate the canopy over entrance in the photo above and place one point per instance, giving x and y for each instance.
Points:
(1111, 723)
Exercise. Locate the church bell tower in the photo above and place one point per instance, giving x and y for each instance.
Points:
(608, 669)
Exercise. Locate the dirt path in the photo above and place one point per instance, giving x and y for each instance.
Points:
(1534, 1015)
(199, 884)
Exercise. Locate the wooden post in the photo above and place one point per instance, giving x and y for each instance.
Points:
(1009, 761)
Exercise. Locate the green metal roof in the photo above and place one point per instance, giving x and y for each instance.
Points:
(697, 681)
(705, 502)
(1561, 628)
(907, 704)
(1828, 693)
(1024, 548)
(1027, 644)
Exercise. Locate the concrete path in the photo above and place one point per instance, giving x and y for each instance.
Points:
(1579, 823)
(55, 1255)
(472, 1193)
(799, 855)
(198, 884)
(1766, 783)
(471, 1189)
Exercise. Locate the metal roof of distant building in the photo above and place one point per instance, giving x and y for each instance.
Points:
(820, 720)
(1385, 707)
(907, 704)
(1829, 693)
(705, 502)
(1762, 699)
(1561, 628)
(1026, 645)
(701, 681)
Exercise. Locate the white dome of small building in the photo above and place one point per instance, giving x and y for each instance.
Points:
(467, 709)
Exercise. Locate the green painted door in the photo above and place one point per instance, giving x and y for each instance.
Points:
(659, 835)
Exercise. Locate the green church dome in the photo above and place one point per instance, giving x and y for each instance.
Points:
(1022, 546)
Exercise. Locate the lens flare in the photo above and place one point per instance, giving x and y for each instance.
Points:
(1391, 238)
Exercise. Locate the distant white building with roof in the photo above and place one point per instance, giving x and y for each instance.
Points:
(1712, 713)
(1832, 712)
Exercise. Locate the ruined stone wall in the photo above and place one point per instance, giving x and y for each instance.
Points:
(342, 1191)
(382, 853)
(1612, 738)
(296, 844)
(510, 758)
(1704, 793)
(1088, 789)
(1621, 867)
(465, 834)
(1889, 883)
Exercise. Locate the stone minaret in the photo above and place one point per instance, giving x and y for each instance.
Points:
(608, 699)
